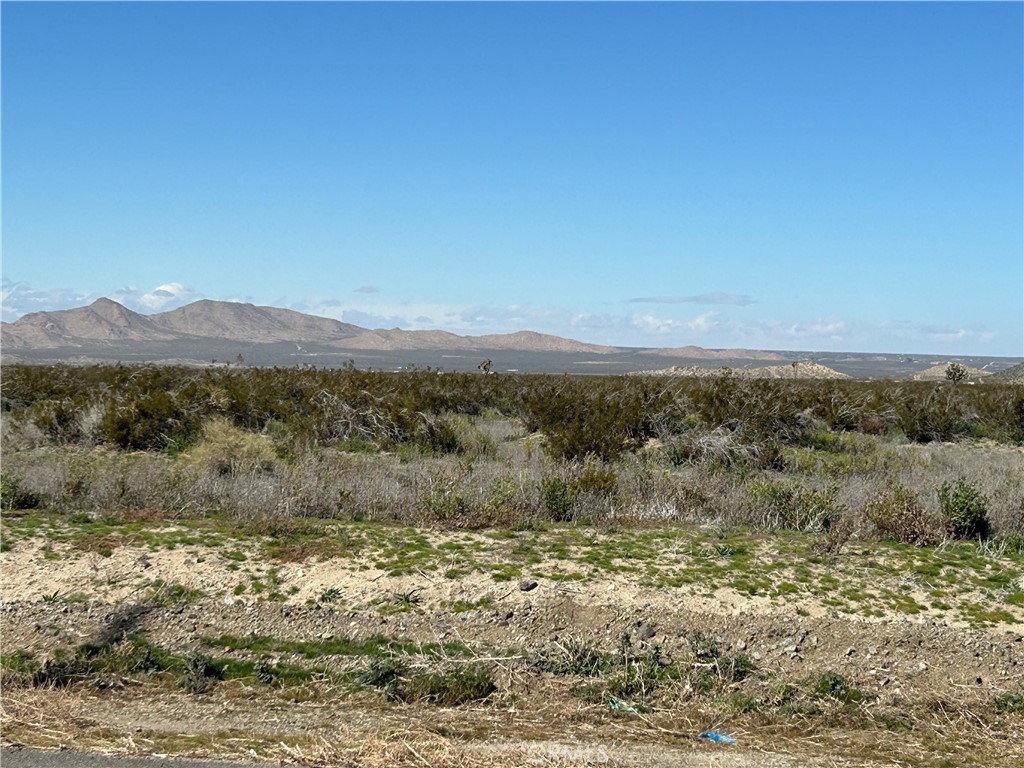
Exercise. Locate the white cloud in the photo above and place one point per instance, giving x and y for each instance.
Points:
(166, 296)
(20, 299)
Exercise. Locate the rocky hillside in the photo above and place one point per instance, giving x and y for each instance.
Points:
(799, 370)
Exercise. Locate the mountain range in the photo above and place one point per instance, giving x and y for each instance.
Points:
(218, 332)
(106, 321)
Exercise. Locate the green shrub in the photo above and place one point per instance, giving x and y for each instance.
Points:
(149, 421)
(791, 505)
(964, 510)
(12, 496)
(558, 498)
(577, 423)
(438, 436)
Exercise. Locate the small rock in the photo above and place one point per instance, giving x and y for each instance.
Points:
(645, 632)
(527, 585)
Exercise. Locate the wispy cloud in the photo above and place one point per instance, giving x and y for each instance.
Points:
(367, 289)
(717, 297)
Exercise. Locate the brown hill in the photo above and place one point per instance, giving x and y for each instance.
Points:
(1014, 375)
(535, 342)
(938, 373)
(397, 339)
(249, 323)
(103, 320)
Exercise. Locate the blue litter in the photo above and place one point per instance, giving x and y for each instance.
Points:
(716, 737)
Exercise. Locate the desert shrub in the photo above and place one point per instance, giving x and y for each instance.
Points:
(60, 420)
(573, 656)
(599, 480)
(578, 423)
(385, 673)
(149, 421)
(449, 503)
(438, 436)
(13, 496)
(935, 413)
(579, 485)
(224, 449)
(964, 510)
(720, 447)
(199, 673)
(897, 515)
(558, 498)
(788, 504)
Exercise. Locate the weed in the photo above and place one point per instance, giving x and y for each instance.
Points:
(449, 688)
(163, 593)
(1010, 703)
(406, 601)
(330, 595)
(832, 685)
(384, 673)
(200, 673)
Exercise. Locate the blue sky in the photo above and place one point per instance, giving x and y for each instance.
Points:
(811, 176)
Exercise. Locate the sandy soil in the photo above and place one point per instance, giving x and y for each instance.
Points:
(895, 659)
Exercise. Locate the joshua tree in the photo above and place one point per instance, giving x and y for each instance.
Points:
(955, 372)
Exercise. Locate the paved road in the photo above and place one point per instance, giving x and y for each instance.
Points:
(18, 757)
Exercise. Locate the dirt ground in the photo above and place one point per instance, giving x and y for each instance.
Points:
(941, 671)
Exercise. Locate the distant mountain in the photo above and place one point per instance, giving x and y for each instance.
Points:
(102, 321)
(106, 321)
(245, 322)
(1014, 375)
(537, 342)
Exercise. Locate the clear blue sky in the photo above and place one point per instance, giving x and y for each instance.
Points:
(807, 176)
